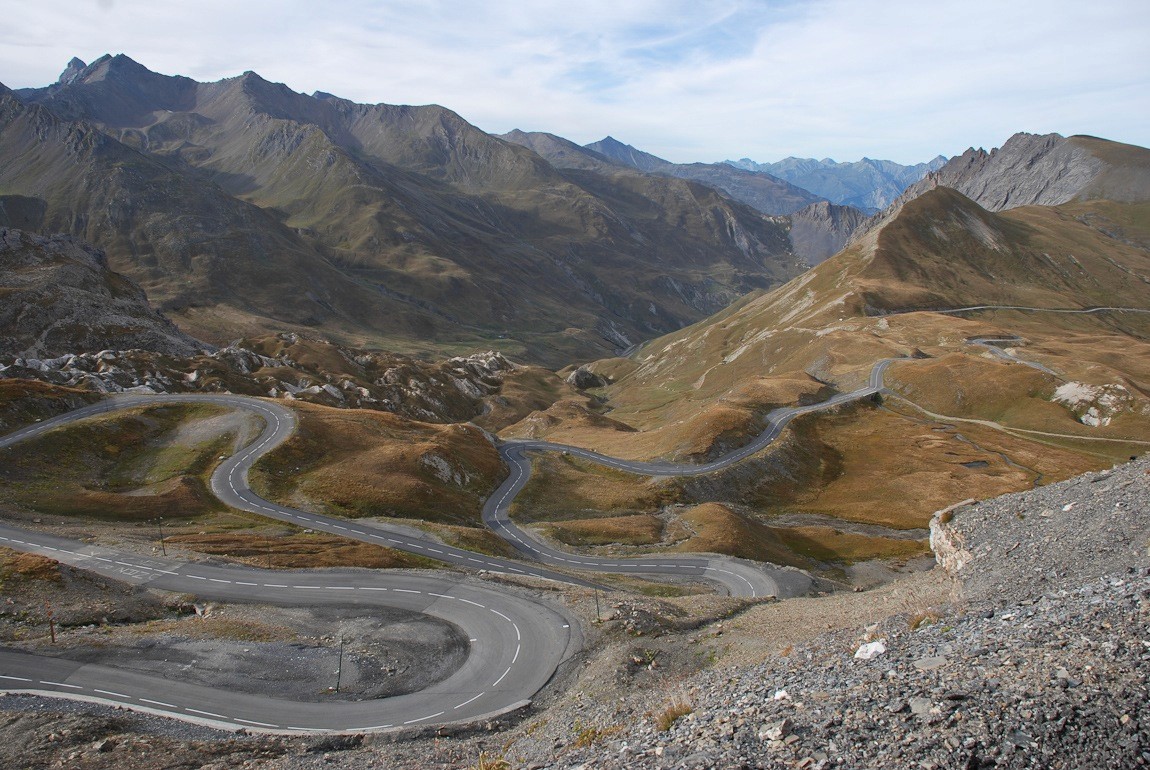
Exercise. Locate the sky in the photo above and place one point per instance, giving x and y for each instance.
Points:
(690, 80)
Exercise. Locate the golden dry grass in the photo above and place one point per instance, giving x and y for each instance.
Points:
(640, 529)
(361, 463)
(16, 566)
(679, 707)
(718, 529)
(875, 483)
(828, 544)
(564, 487)
(298, 551)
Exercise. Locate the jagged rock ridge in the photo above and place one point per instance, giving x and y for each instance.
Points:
(1037, 170)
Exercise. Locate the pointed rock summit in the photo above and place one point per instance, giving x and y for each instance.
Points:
(72, 71)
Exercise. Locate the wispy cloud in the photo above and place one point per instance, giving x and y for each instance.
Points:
(902, 79)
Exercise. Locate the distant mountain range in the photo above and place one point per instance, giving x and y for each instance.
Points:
(242, 206)
(868, 185)
(816, 229)
(769, 194)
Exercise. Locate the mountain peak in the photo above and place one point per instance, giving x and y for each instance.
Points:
(628, 155)
(75, 66)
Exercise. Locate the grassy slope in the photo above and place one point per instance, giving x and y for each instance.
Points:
(123, 468)
(358, 463)
(877, 465)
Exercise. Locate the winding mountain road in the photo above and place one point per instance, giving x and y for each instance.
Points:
(741, 578)
(516, 644)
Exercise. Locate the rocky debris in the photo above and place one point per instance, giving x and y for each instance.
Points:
(44, 737)
(1061, 681)
(1020, 671)
(60, 297)
(1054, 537)
(289, 367)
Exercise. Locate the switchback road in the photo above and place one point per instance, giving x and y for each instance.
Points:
(516, 644)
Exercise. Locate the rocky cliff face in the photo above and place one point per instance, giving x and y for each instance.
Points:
(1027, 170)
(1037, 170)
(59, 296)
(822, 229)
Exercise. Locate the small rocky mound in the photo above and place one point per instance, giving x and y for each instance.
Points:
(60, 297)
(585, 379)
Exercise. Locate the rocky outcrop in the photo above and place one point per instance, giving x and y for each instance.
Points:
(289, 367)
(947, 544)
(1051, 538)
(1028, 170)
(60, 297)
(583, 378)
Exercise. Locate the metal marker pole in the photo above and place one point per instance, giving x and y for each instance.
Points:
(339, 668)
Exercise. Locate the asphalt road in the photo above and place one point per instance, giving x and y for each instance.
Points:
(738, 577)
(229, 483)
(516, 644)
(992, 345)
